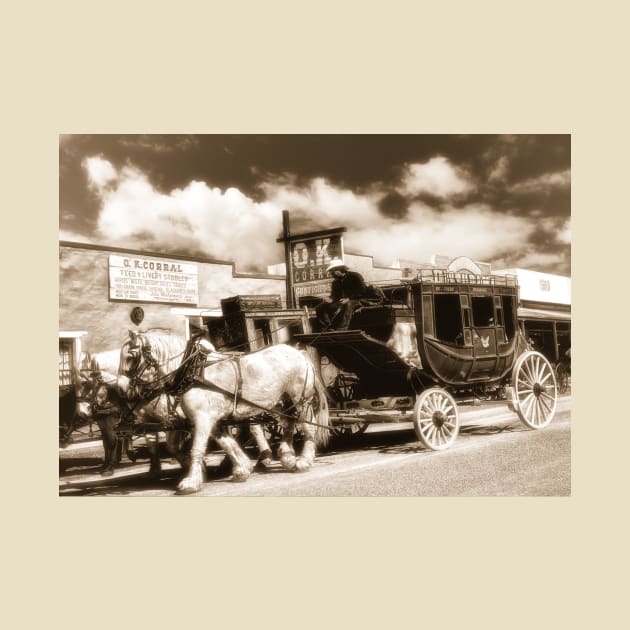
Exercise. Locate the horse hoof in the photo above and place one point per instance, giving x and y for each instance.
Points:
(240, 476)
(288, 462)
(186, 488)
(263, 465)
(183, 491)
(302, 466)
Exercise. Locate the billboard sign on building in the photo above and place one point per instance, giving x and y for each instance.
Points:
(150, 280)
(310, 255)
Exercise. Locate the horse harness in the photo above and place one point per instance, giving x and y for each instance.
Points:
(189, 374)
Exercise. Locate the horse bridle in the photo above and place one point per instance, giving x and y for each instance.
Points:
(144, 360)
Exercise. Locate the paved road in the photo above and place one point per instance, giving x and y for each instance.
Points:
(495, 455)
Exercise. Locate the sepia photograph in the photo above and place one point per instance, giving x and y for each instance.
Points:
(315, 315)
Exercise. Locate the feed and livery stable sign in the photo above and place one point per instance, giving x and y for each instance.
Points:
(147, 280)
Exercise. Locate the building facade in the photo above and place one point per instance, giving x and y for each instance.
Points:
(106, 291)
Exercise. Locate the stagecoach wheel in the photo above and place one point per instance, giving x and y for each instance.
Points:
(534, 390)
(436, 420)
(348, 430)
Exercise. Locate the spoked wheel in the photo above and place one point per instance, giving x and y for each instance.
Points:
(534, 390)
(348, 430)
(436, 420)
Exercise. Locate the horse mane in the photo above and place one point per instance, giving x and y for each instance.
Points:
(106, 362)
(167, 348)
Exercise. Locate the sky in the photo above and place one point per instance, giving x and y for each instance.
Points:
(500, 199)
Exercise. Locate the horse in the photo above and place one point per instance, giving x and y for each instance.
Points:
(279, 380)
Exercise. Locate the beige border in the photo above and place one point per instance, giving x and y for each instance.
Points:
(289, 67)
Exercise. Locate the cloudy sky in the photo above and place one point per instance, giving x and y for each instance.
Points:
(500, 199)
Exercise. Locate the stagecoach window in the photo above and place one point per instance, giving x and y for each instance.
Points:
(507, 301)
(448, 317)
(466, 318)
(499, 316)
(482, 311)
(427, 315)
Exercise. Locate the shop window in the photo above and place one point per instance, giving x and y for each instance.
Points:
(287, 328)
(65, 362)
(263, 332)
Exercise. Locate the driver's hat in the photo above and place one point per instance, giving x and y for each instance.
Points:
(335, 263)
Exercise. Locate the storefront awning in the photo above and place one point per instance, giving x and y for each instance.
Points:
(537, 313)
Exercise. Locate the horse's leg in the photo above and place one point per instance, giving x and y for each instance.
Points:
(203, 421)
(153, 445)
(265, 456)
(307, 456)
(175, 441)
(241, 464)
(286, 453)
(108, 435)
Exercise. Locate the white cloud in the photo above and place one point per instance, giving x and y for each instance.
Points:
(437, 177)
(99, 171)
(500, 169)
(226, 225)
(542, 183)
(470, 231)
(326, 203)
(75, 237)
(531, 259)
(564, 234)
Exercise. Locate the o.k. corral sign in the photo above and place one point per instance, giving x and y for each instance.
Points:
(310, 255)
(149, 280)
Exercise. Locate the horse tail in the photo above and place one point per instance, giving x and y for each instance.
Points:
(320, 411)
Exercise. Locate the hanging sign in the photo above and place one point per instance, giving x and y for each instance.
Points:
(309, 257)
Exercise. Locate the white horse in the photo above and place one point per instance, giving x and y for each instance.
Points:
(278, 379)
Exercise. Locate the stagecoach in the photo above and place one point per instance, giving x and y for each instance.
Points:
(439, 341)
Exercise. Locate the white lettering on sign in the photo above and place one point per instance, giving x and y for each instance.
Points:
(311, 257)
(545, 285)
(300, 255)
(313, 289)
(146, 280)
(321, 252)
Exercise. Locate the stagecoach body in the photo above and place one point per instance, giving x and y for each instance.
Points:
(441, 340)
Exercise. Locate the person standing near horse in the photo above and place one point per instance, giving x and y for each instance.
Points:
(347, 291)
